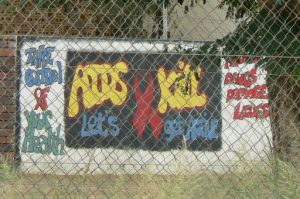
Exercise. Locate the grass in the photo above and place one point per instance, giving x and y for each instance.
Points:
(276, 180)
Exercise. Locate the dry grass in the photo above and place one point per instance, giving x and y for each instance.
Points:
(278, 180)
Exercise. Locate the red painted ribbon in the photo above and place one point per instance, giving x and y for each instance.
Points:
(145, 112)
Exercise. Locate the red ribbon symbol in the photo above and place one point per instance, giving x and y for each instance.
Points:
(40, 96)
(145, 112)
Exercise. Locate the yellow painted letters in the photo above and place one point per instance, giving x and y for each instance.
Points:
(177, 98)
(98, 82)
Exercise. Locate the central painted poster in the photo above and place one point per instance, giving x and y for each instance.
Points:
(136, 100)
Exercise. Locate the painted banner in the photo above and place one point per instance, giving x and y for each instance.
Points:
(135, 100)
(245, 86)
(129, 103)
(41, 77)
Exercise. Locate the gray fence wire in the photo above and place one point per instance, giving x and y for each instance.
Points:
(150, 99)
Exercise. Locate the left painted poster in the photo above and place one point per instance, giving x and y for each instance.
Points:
(41, 93)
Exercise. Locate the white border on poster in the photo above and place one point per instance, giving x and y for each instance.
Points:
(249, 138)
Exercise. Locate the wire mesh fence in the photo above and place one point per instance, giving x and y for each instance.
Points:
(158, 99)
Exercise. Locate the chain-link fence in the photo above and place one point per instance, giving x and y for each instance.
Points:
(150, 99)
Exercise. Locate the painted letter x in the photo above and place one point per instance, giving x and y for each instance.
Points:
(145, 112)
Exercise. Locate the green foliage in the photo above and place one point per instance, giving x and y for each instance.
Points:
(272, 33)
(271, 36)
(238, 9)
